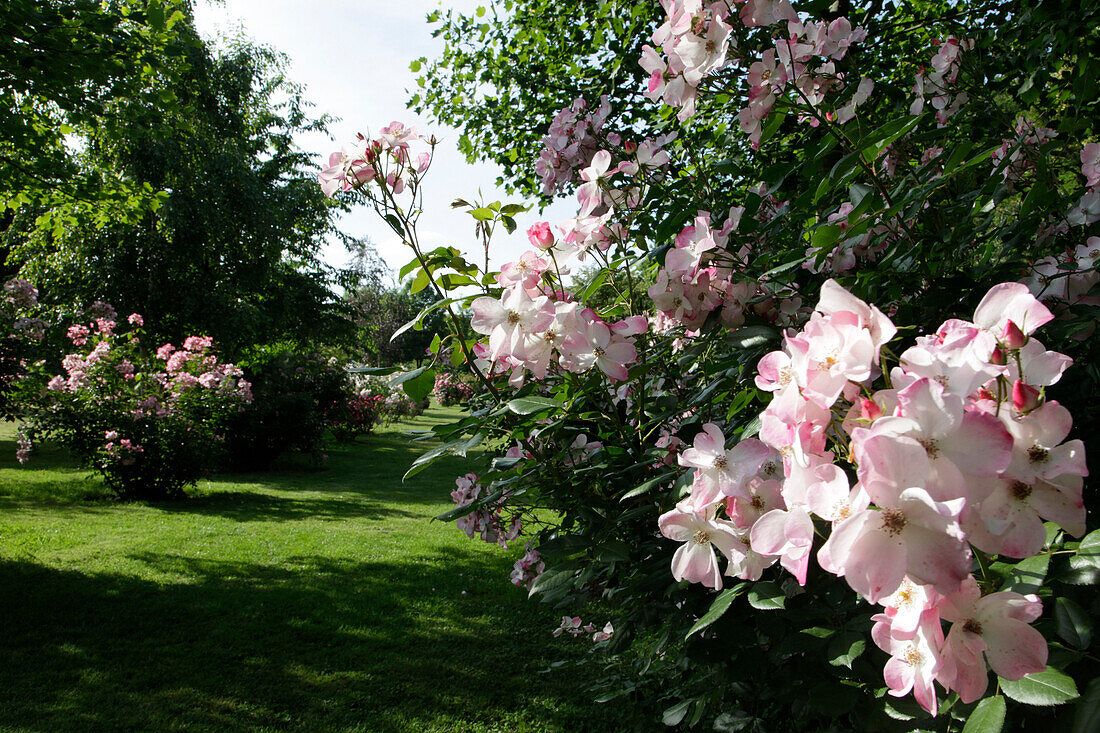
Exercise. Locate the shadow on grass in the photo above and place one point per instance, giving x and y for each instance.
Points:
(248, 506)
(312, 645)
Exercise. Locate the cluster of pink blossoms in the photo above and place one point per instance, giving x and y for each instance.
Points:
(938, 81)
(961, 449)
(698, 276)
(529, 330)
(573, 626)
(527, 569)
(571, 142)
(178, 377)
(1087, 210)
(385, 159)
(122, 450)
(1022, 149)
(851, 250)
(531, 326)
(487, 520)
(694, 39)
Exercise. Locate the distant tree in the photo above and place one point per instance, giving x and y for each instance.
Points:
(232, 249)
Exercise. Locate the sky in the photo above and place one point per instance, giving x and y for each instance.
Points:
(353, 56)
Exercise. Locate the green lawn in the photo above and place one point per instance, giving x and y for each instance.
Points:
(292, 600)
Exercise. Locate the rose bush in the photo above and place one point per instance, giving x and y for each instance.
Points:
(150, 423)
(819, 371)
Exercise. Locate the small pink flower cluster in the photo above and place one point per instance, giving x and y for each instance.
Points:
(570, 143)
(1022, 149)
(698, 275)
(1068, 279)
(1087, 210)
(385, 159)
(694, 39)
(803, 63)
(961, 449)
(487, 520)
(572, 625)
(527, 569)
(124, 451)
(449, 390)
(939, 81)
(530, 329)
(852, 249)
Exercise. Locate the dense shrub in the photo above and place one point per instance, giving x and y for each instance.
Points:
(22, 330)
(357, 416)
(820, 438)
(393, 402)
(297, 398)
(451, 389)
(150, 423)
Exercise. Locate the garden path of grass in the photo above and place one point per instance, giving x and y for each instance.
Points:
(291, 600)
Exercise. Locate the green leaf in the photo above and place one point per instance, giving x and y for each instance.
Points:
(825, 236)
(613, 551)
(988, 716)
(744, 338)
(551, 579)
(846, 648)
(718, 607)
(1087, 717)
(767, 596)
(1028, 575)
(482, 214)
(372, 371)
(531, 405)
(648, 485)
(420, 282)
(1049, 687)
(406, 376)
(418, 388)
(675, 714)
(1074, 624)
(564, 545)
(1088, 552)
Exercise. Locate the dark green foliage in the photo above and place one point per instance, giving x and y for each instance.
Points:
(296, 399)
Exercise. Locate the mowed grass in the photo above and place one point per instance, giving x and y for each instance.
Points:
(300, 599)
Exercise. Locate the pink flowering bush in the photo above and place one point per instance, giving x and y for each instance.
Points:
(801, 391)
(357, 416)
(450, 389)
(150, 423)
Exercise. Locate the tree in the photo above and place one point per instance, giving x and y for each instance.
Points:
(64, 64)
(232, 251)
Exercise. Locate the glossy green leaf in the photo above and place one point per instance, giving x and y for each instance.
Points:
(767, 596)
(718, 607)
(1088, 552)
(531, 405)
(988, 716)
(1049, 687)
(1073, 623)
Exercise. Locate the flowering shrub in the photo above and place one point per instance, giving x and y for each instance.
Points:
(394, 403)
(298, 398)
(150, 424)
(23, 328)
(450, 390)
(772, 394)
(357, 416)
